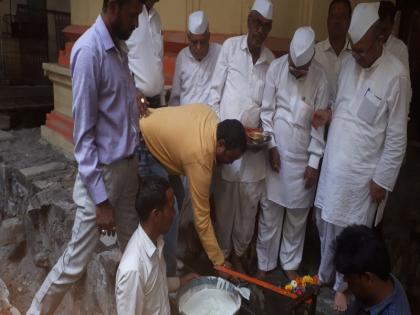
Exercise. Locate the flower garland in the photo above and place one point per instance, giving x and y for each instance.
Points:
(298, 286)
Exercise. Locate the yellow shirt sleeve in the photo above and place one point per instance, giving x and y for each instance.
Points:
(199, 178)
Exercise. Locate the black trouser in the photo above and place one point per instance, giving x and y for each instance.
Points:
(154, 101)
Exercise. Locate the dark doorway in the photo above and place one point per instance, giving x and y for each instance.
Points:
(410, 34)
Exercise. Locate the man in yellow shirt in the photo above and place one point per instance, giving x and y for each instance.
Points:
(189, 140)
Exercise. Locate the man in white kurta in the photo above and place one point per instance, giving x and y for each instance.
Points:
(236, 92)
(195, 64)
(366, 141)
(394, 45)
(146, 56)
(295, 87)
(141, 286)
(331, 52)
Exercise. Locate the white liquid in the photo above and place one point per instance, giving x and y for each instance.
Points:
(210, 302)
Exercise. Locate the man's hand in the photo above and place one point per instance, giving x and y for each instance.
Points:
(105, 218)
(321, 117)
(142, 104)
(223, 275)
(310, 176)
(187, 278)
(377, 192)
(274, 157)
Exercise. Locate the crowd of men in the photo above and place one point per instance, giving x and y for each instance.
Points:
(337, 114)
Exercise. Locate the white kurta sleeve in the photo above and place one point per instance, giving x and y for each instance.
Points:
(175, 98)
(268, 107)
(219, 79)
(317, 143)
(129, 293)
(389, 164)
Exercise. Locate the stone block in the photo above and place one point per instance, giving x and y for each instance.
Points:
(6, 136)
(12, 231)
(44, 169)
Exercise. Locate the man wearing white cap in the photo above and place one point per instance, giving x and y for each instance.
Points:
(191, 84)
(236, 92)
(295, 87)
(366, 142)
(331, 52)
(195, 64)
(146, 56)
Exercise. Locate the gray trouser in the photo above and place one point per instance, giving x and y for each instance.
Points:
(121, 184)
(236, 209)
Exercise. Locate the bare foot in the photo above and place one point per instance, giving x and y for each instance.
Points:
(237, 264)
(340, 302)
(291, 274)
(260, 274)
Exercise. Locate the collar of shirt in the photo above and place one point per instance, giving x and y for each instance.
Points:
(150, 248)
(190, 55)
(149, 13)
(264, 56)
(103, 33)
(376, 63)
(326, 46)
(377, 309)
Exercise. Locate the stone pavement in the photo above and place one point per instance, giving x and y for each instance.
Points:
(37, 212)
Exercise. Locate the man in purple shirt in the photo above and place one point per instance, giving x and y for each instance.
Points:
(105, 136)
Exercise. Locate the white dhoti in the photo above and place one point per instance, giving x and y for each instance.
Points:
(121, 184)
(281, 233)
(236, 206)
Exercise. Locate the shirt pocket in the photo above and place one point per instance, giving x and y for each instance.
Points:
(369, 107)
(301, 113)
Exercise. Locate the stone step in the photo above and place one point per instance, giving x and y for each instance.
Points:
(41, 170)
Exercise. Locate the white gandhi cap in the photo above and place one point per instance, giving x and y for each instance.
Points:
(302, 47)
(263, 7)
(197, 23)
(364, 16)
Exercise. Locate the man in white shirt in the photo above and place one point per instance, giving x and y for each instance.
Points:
(395, 46)
(195, 64)
(236, 92)
(295, 87)
(366, 141)
(191, 84)
(145, 56)
(331, 52)
(142, 286)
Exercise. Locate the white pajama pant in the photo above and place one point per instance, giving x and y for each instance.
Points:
(236, 206)
(328, 233)
(121, 184)
(281, 234)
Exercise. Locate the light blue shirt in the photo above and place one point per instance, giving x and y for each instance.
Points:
(104, 108)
